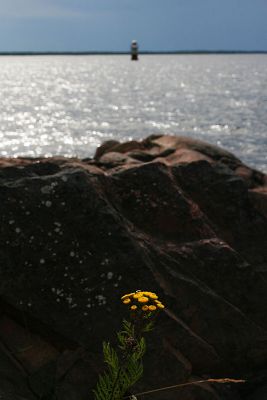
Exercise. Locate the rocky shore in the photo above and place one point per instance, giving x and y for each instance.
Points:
(167, 214)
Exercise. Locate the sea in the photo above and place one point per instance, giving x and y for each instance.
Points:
(69, 105)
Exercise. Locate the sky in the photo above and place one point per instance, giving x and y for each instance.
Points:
(110, 25)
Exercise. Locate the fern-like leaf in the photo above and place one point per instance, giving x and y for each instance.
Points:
(148, 327)
(111, 358)
(140, 349)
(122, 372)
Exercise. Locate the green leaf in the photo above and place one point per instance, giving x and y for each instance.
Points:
(121, 374)
(110, 357)
(149, 326)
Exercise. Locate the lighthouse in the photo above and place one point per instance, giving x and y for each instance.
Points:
(134, 50)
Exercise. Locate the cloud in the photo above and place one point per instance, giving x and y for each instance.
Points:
(36, 9)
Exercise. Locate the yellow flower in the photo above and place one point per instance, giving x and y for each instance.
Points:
(126, 296)
(137, 295)
(143, 299)
(153, 296)
(147, 300)
(145, 308)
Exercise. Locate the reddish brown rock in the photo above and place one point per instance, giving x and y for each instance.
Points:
(169, 214)
(259, 198)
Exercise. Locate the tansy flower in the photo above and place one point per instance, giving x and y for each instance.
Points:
(153, 296)
(137, 295)
(143, 299)
(126, 296)
(145, 308)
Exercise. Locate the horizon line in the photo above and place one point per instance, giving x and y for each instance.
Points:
(142, 52)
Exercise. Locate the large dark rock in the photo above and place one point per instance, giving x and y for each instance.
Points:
(168, 214)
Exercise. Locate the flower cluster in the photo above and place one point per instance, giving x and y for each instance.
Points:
(144, 301)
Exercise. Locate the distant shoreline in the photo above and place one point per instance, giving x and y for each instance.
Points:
(93, 53)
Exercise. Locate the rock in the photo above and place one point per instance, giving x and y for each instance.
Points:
(258, 197)
(224, 198)
(13, 380)
(259, 394)
(168, 214)
(117, 147)
(113, 160)
(105, 147)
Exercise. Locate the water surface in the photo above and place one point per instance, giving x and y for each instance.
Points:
(68, 105)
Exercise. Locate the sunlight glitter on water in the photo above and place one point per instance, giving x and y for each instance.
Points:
(69, 105)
